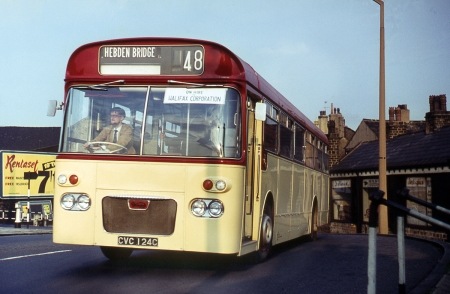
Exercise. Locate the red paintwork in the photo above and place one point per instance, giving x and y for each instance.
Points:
(221, 67)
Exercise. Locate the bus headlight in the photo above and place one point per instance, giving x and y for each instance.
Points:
(67, 201)
(75, 202)
(198, 207)
(215, 208)
(84, 202)
(211, 208)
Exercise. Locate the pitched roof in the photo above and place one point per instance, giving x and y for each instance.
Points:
(29, 138)
(373, 125)
(412, 126)
(408, 151)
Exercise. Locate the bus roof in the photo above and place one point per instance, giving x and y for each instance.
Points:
(83, 67)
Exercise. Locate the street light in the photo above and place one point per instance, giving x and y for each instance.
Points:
(383, 217)
(382, 209)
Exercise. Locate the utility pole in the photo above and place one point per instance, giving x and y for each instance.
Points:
(383, 216)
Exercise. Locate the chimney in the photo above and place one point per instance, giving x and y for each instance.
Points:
(404, 112)
(322, 122)
(391, 114)
(398, 114)
(438, 115)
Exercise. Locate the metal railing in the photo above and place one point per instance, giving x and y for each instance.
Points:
(376, 199)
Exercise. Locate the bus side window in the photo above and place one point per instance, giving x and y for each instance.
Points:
(270, 135)
(286, 137)
(299, 146)
(310, 156)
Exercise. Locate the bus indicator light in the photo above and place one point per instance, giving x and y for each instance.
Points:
(208, 185)
(221, 185)
(62, 179)
(73, 179)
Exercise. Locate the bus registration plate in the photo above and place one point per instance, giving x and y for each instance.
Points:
(137, 241)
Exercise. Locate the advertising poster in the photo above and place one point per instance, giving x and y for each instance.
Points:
(419, 187)
(369, 185)
(341, 194)
(27, 174)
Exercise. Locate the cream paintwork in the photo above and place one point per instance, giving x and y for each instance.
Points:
(181, 182)
(294, 188)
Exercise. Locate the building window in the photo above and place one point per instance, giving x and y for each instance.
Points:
(341, 194)
(419, 187)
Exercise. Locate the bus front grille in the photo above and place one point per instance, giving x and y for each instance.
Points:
(157, 219)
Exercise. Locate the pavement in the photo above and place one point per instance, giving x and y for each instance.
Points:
(10, 230)
(442, 267)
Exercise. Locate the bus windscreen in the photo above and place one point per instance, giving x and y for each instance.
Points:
(161, 121)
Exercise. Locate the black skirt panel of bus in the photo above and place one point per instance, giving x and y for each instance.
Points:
(156, 218)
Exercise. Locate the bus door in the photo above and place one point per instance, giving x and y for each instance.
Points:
(253, 181)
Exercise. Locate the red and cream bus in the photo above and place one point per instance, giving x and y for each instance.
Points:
(209, 156)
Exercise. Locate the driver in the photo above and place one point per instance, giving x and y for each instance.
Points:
(117, 133)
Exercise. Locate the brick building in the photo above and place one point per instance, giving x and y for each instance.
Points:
(339, 135)
(418, 158)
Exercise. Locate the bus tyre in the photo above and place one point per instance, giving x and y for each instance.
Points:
(314, 222)
(116, 254)
(266, 235)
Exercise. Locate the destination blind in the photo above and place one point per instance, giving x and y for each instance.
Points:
(151, 60)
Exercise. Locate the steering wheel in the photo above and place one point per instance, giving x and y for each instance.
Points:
(101, 148)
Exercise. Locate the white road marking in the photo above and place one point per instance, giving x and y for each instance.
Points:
(32, 255)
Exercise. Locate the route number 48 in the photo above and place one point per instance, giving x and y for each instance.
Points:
(193, 60)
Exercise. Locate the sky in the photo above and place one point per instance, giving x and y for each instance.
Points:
(317, 53)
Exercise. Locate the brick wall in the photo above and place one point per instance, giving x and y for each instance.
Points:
(349, 228)
(438, 116)
(396, 128)
(425, 234)
(342, 228)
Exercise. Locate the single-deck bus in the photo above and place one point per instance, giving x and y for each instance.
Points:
(178, 144)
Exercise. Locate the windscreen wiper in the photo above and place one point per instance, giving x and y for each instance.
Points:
(193, 85)
(98, 87)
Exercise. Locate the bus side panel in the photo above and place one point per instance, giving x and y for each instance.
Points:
(309, 190)
(299, 221)
(283, 200)
(269, 185)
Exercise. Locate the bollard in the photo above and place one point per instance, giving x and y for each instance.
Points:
(376, 198)
(401, 253)
(17, 221)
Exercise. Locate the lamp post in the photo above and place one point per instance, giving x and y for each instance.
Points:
(382, 209)
(383, 217)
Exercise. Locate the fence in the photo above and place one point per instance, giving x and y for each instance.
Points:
(376, 199)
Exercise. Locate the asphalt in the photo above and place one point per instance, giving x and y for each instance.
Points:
(440, 273)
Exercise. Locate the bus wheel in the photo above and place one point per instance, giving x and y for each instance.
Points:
(314, 222)
(266, 235)
(116, 254)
